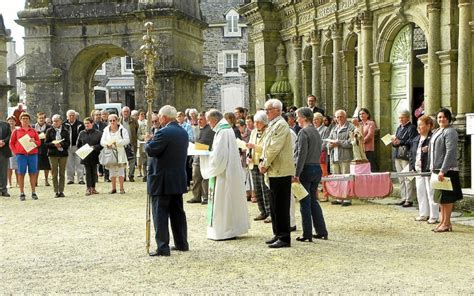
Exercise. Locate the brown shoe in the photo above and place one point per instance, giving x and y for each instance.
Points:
(93, 191)
(260, 217)
(113, 191)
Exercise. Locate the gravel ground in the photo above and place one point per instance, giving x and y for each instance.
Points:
(96, 245)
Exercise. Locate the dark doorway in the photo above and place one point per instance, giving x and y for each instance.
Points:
(130, 99)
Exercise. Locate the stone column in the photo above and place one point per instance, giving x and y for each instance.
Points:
(464, 87)
(464, 60)
(326, 82)
(306, 69)
(4, 87)
(433, 85)
(297, 44)
(336, 35)
(366, 56)
(349, 81)
(382, 112)
(315, 40)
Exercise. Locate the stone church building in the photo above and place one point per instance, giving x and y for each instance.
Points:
(384, 55)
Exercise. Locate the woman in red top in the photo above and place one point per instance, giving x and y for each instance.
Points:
(27, 158)
(368, 126)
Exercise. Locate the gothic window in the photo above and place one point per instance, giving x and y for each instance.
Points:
(419, 39)
(229, 62)
(232, 28)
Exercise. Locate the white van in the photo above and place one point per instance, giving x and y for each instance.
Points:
(112, 108)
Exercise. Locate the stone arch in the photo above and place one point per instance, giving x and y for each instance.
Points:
(389, 31)
(80, 77)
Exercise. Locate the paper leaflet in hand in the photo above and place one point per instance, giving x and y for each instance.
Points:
(387, 139)
(25, 141)
(440, 185)
(84, 151)
(298, 191)
(193, 151)
(57, 141)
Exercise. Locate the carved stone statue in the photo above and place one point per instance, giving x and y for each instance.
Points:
(357, 140)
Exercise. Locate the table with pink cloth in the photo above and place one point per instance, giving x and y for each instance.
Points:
(361, 186)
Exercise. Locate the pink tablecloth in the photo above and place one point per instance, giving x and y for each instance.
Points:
(366, 186)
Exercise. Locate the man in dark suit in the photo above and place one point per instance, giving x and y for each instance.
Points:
(312, 104)
(5, 154)
(167, 152)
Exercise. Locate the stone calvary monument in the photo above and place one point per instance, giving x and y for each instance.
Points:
(66, 41)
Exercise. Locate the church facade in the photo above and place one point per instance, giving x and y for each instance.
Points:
(386, 56)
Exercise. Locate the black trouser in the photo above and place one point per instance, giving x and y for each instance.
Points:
(280, 193)
(169, 207)
(91, 175)
(189, 170)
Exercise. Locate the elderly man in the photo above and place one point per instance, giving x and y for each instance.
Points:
(277, 162)
(98, 123)
(340, 148)
(74, 165)
(312, 101)
(131, 125)
(227, 207)
(167, 152)
(200, 185)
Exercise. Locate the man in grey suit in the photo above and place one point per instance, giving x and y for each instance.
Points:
(5, 154)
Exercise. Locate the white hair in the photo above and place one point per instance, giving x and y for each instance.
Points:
(56, 117)
(134, 112)
(70, 112)
(261, 116)
(274, 103)
(125, 108)
(168, 111)
(404, 113)
(193, 111)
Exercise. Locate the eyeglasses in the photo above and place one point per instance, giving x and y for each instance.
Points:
(154, 121)
(112, 120)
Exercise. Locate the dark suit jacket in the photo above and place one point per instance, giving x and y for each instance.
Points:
(405, 134)
(5, 133)
(167, 153)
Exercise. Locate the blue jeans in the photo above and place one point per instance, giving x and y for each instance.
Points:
(311, 212)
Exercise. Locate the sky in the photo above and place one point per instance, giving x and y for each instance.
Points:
(9, 9)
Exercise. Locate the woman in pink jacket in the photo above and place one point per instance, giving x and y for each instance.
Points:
(369, 137)
(27, 159)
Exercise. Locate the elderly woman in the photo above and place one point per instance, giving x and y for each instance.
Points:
(401, 152)
(255, 146)
(91, 137)
(57, 142)
(443, 162)
(116, 137)
(27, 159)
(368, 126)
(308, 173)
(318, 122)
(428, 210)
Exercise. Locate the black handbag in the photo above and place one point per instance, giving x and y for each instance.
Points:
(403, 152)
(129, 151)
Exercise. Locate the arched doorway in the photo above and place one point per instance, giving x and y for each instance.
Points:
(407, 72)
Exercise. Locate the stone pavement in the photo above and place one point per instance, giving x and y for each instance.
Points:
(95, 245)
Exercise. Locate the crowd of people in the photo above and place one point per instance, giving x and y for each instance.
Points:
(280, 147)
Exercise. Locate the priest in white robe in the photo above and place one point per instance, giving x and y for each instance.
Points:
(227, 213)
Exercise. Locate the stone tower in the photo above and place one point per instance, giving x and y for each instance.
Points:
(4, 87)
(66, 41)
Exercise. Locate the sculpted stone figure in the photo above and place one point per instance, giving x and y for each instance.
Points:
(357, 140)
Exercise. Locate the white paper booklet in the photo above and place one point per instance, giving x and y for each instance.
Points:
(25, 141)
(441, 185)
(84, 151)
